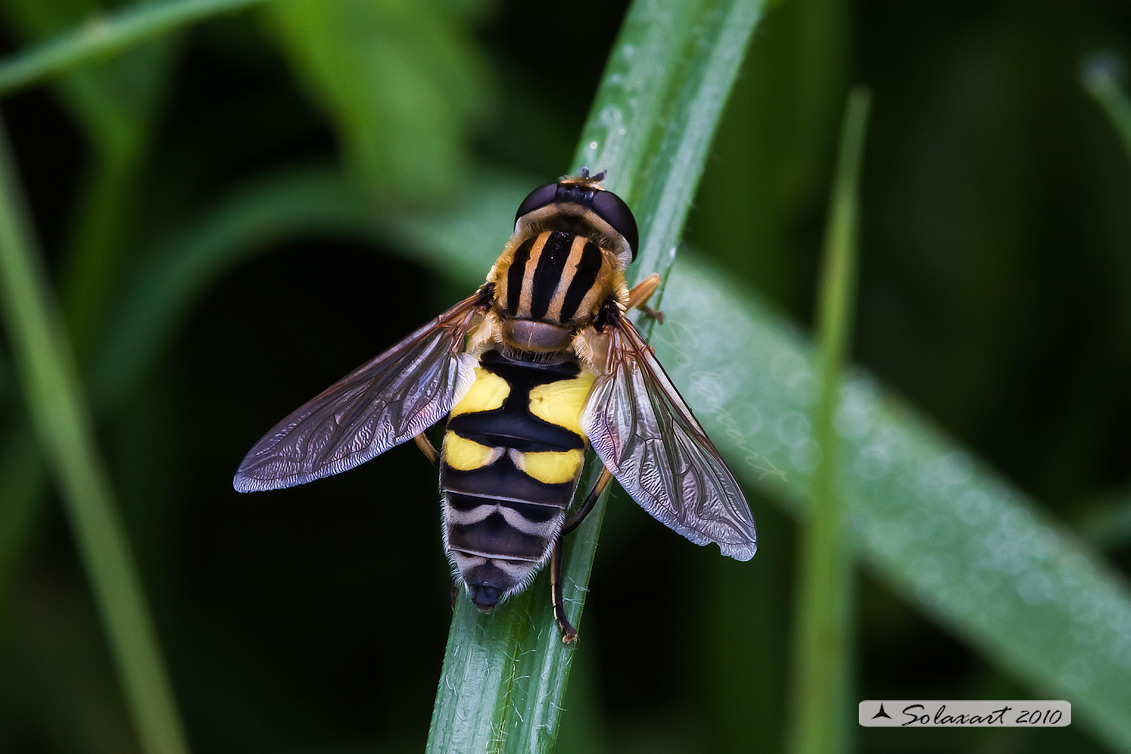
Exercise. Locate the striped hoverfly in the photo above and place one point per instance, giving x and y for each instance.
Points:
(539, 364)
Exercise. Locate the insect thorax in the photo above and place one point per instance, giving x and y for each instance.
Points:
(550, 285)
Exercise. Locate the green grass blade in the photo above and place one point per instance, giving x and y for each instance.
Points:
(164, 286)
(929, 519)
(504, 676)
(932, 521)
(61, 419)
(1100, 79)
(1108, 526)
(115, 103)
(403, 88)
(106, 35)
(822, 648)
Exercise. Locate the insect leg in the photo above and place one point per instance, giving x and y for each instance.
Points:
(569, 633)
(641, 292)
(427, 448)
(579, 515)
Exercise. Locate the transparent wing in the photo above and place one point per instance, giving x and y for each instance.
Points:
(646, 435)
(382, 403)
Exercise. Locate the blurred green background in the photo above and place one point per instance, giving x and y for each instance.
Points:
(994, 295)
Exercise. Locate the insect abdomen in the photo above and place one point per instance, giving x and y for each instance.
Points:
(512, 455)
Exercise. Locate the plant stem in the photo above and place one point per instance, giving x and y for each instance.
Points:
(105, 35)
(652, 121)
(62, 421)
(1100, 79)
(821, 697)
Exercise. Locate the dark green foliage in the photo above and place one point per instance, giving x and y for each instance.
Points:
(236, 208)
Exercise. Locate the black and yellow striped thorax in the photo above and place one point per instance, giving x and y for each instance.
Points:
(557, 276)
(512, 455)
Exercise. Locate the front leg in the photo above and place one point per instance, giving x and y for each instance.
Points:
(641, 292)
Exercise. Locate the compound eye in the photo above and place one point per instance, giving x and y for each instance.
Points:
(537, 199)
(612, 209)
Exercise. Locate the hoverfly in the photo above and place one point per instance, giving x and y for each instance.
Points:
(537, 365)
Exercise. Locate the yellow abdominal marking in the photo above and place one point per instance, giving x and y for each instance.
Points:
(487, 393)
(561, 402)
(468, 455)
(550, 467)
